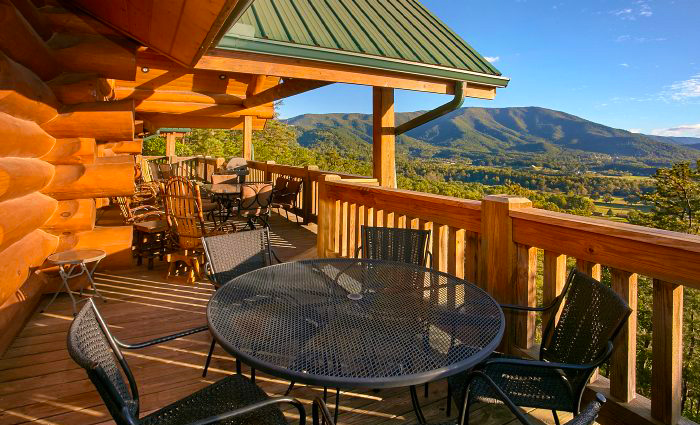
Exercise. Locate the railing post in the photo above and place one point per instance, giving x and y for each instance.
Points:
(499, 254)
(326, 240)
(623, 363)
(201, 169)
(307, 197)
(667, 352)
(268, 173)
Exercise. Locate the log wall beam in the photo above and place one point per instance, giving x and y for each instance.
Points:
(21, 216)
(78, 150)
(19, 177)
(99, 120)
(93, 180)
(110, 58)
(81, 88)
(17, 259)
(24, 139)
(76, 215)
(283, 90)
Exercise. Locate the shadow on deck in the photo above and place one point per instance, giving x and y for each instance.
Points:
(39, 382)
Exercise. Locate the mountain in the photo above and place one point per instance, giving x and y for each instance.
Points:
(677, 140)
(469, 131)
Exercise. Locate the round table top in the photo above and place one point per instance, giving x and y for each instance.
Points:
(355, 323)
(77, 256)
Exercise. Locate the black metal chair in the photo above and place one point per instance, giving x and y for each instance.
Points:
(232, 255)
(572, 348)
(232, 400)
(395, 244)
(322, 416)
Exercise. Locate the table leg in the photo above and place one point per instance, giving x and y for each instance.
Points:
(416, 405)
(91, 280)
(64, 277)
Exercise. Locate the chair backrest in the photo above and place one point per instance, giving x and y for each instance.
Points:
(233, 254)
(591, 316)
(183, 208)
(280, 184)
(255, 197)
(395, 244)
(125, 208)
(91, 346)
(293, 187)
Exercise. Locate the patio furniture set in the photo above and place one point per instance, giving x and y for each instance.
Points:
(382, 320)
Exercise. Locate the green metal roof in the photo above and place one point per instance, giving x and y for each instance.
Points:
(396, 35)
(174, 130)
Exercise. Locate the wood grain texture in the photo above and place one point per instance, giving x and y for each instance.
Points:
(23, 139)
(17, 259)
(106, 57)
(99, 120)
(623, 363)
(76, 215)
(93, 180)
(19, 177)
(23, 215)
(525, 295)
(116, 241)
(72, 88)
(154, 121)
(383, 137)
(23, 94)
(553, 281)
(78, 150)
(667, 352)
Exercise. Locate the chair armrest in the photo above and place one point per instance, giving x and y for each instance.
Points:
(161, 339)
(554, 302)
(477, 374)
(274, 255)
(590, 412)
(552, 365)
(253, 407)
(319, 408)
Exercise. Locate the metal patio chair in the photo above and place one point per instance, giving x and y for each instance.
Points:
(231, 255)
(572, 348)
(255, 202)
(232, 400)
(322, 416)
(395, 244)
(287, 198)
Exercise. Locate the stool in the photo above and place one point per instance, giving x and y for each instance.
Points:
(151, 238)
(73, 264)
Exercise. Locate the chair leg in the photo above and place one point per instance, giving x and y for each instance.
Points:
(416, 405)
(337, 405)
(206, 364)
(448, 408)
(556, 417)
(425, 390)
(289, 389)
(252, 374)
(238, 367)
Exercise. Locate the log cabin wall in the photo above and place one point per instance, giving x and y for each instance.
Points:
(64, 141)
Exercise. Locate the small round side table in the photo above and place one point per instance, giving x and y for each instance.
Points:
(73, 264)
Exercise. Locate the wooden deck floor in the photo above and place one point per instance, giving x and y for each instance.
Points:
(39, 383)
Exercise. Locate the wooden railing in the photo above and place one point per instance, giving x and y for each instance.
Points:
(198, 168)
(496, 242)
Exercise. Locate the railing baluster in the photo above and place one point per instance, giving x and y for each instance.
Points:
(591, 269)
(667, 352)
(526, 295)
(623, 364)
(553, 280)
(352, 230)
(471, 257)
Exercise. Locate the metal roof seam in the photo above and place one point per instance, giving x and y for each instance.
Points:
(361, 27)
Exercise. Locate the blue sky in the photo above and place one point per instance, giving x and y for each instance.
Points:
(631, 64)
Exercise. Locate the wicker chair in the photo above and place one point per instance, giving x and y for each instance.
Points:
(232, 400)
(232, 255)
(254, 204)
(137, 213)
(321, 414)
(395, 244)
(571, 350)
(184, 213)
(287, 198)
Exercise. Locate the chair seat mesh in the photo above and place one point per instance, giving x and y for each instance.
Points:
(228, 394)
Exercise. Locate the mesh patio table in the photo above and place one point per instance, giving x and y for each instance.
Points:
(348, 323)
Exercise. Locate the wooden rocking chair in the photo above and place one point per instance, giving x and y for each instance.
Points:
(183, 208)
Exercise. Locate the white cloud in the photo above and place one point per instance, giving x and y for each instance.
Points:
(683, 90)
(625, 65)
(640, 8)
(689, 130)
(493, 59)
(625, 38)
(635, 130)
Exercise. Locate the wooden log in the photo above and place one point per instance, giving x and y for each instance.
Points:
(21, 43)
(17, 259)
(247, 150)
(155, 121)
(623, 363)
(525, 295)
(103, 151)
(204, 109)
(18, 308)
(23, 94)
(162, 95)
(99, 120)
(77, 215)
(19, 176)
(96, 180)
(79, 150)
(383, 137)
(81, 88)
(21, 216)
(283, 90)
(132, 147)
(37, 20)
(116, 241)
(107, 57)
(101, 202)
(23, 139)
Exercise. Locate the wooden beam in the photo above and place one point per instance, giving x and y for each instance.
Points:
(37, 20)
(283, 90)
(99, 120)
(254, 63)
(95, 54)
(256, 85)
(203, 109)
(61, 20)
(170, 140)
(21, 216)
(20, 42)
(156, 121)
(138, 94)
(248, 137)
(101, 179)
(20, 176)
(116, 241)
(23, 94)
(22, 138)
(623, 363)
(383, 136)
(75, 215)
(72, 88)
(79, 150)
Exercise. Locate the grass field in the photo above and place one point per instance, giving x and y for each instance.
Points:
(620, 208)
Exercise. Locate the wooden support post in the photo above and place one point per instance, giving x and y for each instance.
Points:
(247, 150)
(308, 193)
(554, 279)
(383, 136)
(170, 139)
(268, 172)
(667, 352)
(623, 363)
(499, 254)
(326, 242)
